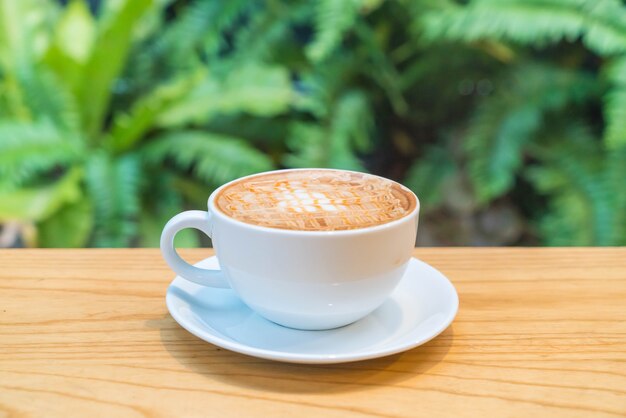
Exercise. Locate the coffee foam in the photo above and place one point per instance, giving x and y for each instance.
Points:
(315, 200)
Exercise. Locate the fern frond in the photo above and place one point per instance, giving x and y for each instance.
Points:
(69, 227)
(260, 38)
(222, 21)
(113, 186)
(29, 150)
(107, 59)
(354, 120)
(182, 44)
(382, 69)
(615, 115)
(307, 144)
(38, 203)
(24, 28)
(164, 200)
(320, 87)
(615, 105)
(151, 226)
(601, 24)
(348, 132)
(494, 146)
(12, 102)
(267, 132)
(71, 43)
(573, 176)
(615, 175)
(129, 127)
(428, 174)
(351, 128)
(47, 98)
(213, 158)
(255, 89)
(566, 221)
(605, 26)
(332, 20)
(504, 123)
(201, 23)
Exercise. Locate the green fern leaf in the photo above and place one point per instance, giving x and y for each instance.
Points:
(107, 59)
(69, 227)
(129, 127)
(353, 120)
(351, 129)
(428, 174)
(254, 89)
(222, 20)
(213, 158)
(566, 221)
(195, 36)
(382, 69)
(23, 24)
(71, 43)
(601, 24)
(308, 145)
(348, 133)
(260, 40)
(270, 133)
(181, 41)
(332, 20)
(504, 123)
(322, 85)
(615, 106)
(165, 200)
(494, 145)
(36, 204)
(615, 114)
(47, 98)
(151, 226)
(605, 26)
(615, 175)
(520, 21)
(75, 31)
(113, 187)
(616, 71)
(29, 150)
(12, 104)
(573, 177)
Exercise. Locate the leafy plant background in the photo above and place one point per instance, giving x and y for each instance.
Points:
(506, 117)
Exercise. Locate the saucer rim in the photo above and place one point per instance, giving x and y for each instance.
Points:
(214, 337)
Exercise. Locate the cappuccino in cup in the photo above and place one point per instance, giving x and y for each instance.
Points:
(305, 248)
(315, 200)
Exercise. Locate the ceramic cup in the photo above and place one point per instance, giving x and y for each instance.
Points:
(308, 280)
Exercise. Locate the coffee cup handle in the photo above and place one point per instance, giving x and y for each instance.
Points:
(200, 220)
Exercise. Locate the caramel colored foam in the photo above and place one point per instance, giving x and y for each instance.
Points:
(315, 200)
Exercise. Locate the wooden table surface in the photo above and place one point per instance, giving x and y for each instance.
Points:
(540, 333)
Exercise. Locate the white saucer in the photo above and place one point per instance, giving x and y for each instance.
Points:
(420, 308)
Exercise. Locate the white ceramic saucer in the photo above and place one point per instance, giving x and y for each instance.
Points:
(420, 308)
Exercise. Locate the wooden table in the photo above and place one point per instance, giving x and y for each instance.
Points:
(540, 332)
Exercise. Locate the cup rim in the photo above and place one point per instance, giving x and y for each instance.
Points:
(214, 211)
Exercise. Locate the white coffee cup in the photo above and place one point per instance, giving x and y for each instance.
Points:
(300, 279)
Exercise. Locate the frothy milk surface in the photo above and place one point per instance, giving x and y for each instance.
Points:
(315, 200)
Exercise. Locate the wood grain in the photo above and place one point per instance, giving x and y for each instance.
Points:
(540, 332)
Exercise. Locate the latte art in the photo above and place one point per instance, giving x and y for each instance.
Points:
(315, 200)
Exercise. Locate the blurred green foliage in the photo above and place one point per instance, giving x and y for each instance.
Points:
(507, 117)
